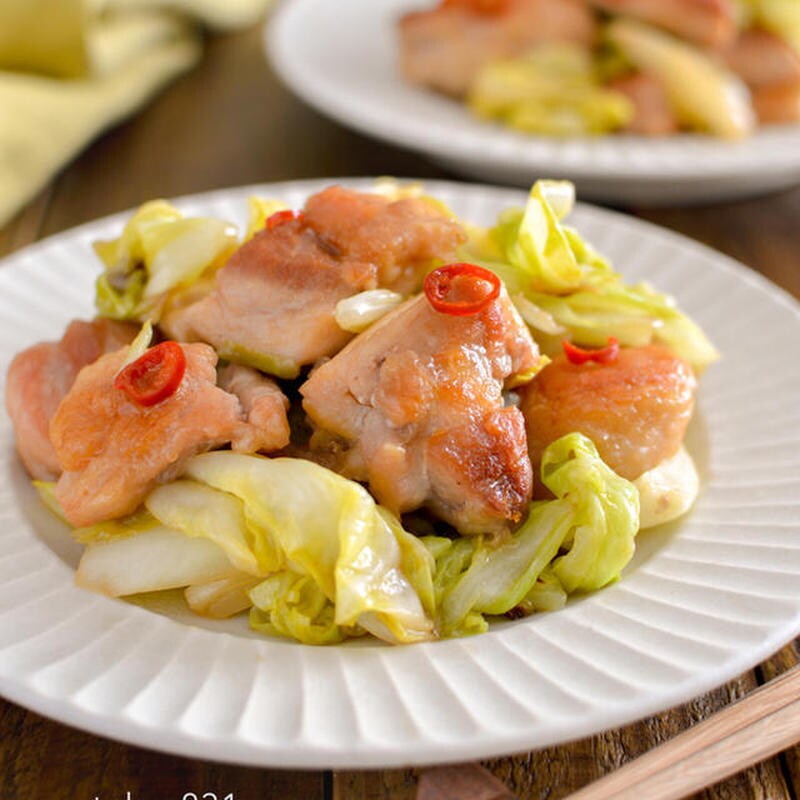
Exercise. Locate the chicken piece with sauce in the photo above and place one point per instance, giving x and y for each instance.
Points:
(274, 300)
(115, 446)
(416, 404)
(444, 48)
(40, 377)
(635, 408)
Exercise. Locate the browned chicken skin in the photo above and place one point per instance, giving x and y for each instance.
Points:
(277, 294)
(634, 409)
(444, 48)
(401, 238)
(40, 377)
(114, 451)
(416, 401)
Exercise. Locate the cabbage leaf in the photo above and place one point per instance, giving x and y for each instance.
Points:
(604, 513)
(562, 285)
(553, 90)
(329, 531)
(158, 251)
(580, 541)
(259, 210)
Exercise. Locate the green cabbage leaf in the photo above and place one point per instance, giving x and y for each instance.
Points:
(335, 543)
(579, 541)
(553, 91)
(159, 251)
(562, 285)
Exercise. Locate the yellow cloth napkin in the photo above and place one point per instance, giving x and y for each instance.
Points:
(69, 69)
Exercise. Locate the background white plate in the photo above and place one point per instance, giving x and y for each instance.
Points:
(703, 600)
(341, 57)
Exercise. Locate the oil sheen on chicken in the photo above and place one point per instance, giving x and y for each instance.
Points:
(635, 409)
(415, 404)
(274, 301)
(114, 451)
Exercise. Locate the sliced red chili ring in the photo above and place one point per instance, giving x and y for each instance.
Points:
(479, 6)
(461, 289)
(279, 217)
(154, 376)
(578, 355)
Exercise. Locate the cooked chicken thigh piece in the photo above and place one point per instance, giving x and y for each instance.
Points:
(274, 301)
(763, 59)
(635, 409)
(444, 48)
(266, 428)
(114, 450)
(40, 377)
(414, 406)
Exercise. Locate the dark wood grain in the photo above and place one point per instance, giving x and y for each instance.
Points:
(555, 772)
(228, 123)
(40, 760)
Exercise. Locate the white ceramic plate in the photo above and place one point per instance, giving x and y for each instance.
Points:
(341, 57)
(703, 600)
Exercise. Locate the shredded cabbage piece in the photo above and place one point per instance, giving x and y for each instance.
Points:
(158, 252)
(562, 285)
(704, 95)
(293, 605)
(553, 90)
(584, 538)
(781, 17)
(198, 510)
(331, 532)
(547, 594)
(605, 513)
(357, 312)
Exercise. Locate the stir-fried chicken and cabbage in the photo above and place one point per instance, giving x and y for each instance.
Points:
(367, 416)
(586, 67)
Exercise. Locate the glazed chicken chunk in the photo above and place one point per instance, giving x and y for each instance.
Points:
(415, 406)
(40, 377)
(274, 301)
(634, 409)
(113, 450)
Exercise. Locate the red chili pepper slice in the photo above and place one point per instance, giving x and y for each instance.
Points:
(461, 289)
(279, 217)
(577, 355)
(154, 376)
(479, 6)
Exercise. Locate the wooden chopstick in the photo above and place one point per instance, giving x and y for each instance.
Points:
(756, 727)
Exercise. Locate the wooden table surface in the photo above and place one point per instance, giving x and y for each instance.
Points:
(228, 123)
